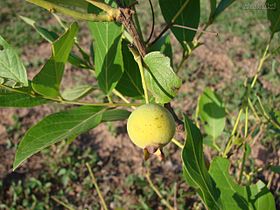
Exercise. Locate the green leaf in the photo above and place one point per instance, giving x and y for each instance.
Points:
(51, 36)
(13, 99)
(273, 15)
(47, 81)
(77, 4)
(195, 171)
(11, 67)
(213, 4)
(115, 115)
(130, 84)
(164, 46)
(77, 92)
(161, 80)
(221, 7)
(212, 113)
(108, 54)
(62, 47)
(63, 125)
(233, 196)
(188, 15)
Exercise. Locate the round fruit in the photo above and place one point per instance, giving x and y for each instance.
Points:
(151, 125)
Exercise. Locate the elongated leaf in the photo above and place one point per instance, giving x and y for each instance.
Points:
(63, 125)
(221, 7)
(115, 115)
(11, 66)
(51, 36)
(74, 5)
(184, 13)
(13, 99)
(55, 128)
(63, 46)
(80, 5)
(212, 113)
(195, 170)
(108, 54)
(130, 84)
(47, 82)
(233, 196)
(273, 15)
(75, 93)
(213, 4)
(161, 80)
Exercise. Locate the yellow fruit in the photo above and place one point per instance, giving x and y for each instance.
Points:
(151, 125)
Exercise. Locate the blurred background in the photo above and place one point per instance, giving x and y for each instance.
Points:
(59, 172)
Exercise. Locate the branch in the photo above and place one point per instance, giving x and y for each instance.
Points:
(171, 110)
(112, 12)
(62, 101)
(153, 22)
(125, 18)
(169, 25)
(111, 15)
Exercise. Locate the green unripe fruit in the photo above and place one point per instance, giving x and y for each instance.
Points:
(151, 125)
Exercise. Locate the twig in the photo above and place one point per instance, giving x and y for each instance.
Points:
(197, 30)
(102, 201)
(67, 206)
(52, 7)
(244, 146)
(166, 28)
(61, 101)
(242, 165)
(171, 110)
(230, 141)
(263, 59)
(126, 19)
(175, 196)
(266, 116)
(153, 22)
(169, 25)
(253, 109)
(113, 13)
(165, 202)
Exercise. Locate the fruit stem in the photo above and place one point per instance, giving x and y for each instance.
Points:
(176, 142)
(138, 60)
(96, 187)
(121, 96)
